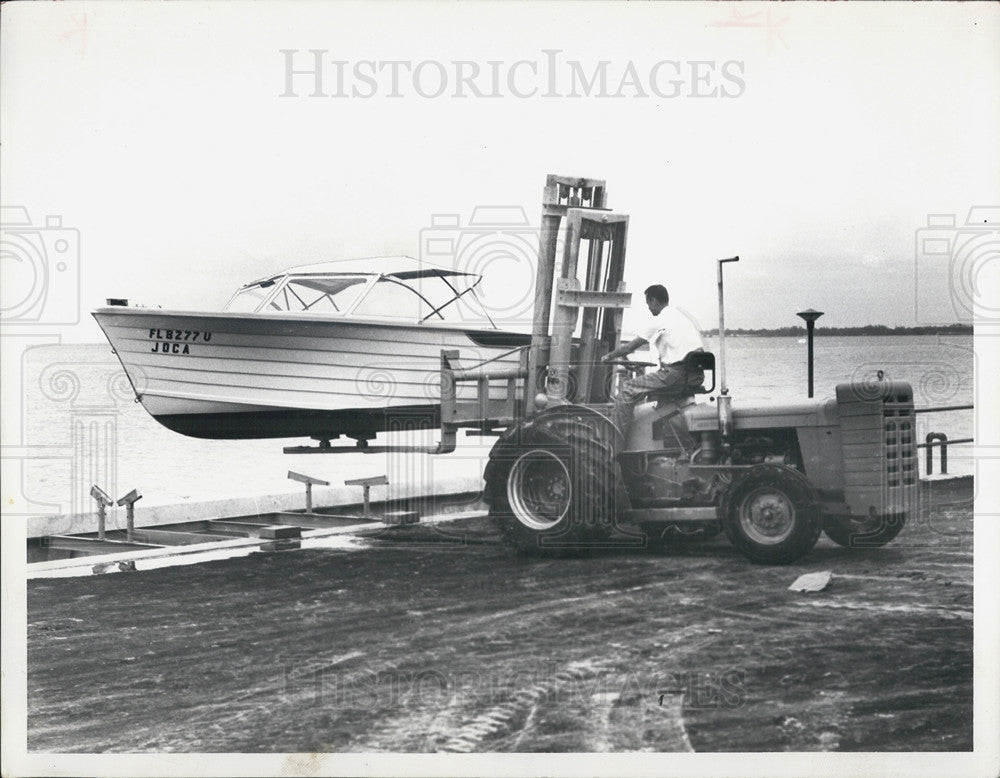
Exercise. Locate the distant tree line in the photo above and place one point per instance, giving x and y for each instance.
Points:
(868, 329)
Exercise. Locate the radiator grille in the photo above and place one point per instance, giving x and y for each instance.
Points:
(902, 471)
(900, 444)
(878, 438)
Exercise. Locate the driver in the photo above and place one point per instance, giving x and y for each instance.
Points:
(671, 337)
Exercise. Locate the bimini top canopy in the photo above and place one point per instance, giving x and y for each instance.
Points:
(399, 267)
(401, 288)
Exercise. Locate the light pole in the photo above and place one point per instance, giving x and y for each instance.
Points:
(810, 317)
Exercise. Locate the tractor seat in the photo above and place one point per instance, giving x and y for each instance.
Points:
(695, 364)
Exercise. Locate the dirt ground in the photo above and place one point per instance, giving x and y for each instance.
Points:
(440, 640)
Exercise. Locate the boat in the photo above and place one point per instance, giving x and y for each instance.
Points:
(336, 348)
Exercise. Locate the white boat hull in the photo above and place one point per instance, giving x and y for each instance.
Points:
(229, 375)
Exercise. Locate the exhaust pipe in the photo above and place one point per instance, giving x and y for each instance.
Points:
(725, 414)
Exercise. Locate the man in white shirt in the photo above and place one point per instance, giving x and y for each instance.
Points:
(671, 337)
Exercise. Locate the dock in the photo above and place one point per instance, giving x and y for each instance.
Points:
(167, 535)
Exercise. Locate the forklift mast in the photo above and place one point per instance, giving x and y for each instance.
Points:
(571, 368)
(562, 363)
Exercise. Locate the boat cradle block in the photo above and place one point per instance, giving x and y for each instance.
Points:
(401, 517)
(280, 531)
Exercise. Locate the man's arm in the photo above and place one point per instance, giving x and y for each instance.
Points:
(625, 350)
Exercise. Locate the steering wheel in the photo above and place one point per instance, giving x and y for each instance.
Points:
(627, 369)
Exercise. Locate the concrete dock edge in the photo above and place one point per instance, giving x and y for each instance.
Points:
(251, 505)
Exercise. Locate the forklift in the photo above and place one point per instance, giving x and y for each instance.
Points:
(563, 479)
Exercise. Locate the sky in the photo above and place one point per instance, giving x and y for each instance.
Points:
(814, 141)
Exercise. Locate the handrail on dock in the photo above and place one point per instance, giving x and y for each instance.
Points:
(941, 440)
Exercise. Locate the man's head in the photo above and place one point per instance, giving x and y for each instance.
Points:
(656, 298)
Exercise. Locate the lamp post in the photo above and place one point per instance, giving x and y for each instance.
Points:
(810, 317)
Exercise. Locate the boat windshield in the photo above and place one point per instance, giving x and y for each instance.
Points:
(313, 294)
(250, 298)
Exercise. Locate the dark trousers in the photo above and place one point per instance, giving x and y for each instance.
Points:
(668, 383)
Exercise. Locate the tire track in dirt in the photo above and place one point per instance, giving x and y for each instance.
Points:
(469, 736)
(467, 648)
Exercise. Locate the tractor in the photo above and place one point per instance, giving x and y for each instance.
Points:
(563, 479)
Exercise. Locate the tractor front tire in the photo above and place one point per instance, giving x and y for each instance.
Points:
(551, 486)
(772, 515)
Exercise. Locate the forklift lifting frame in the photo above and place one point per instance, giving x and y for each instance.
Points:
(601, 297)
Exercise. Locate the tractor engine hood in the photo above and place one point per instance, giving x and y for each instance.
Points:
(703, 417)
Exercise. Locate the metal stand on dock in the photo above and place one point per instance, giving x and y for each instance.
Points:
(367, 484)
(387, 517)
(129, 501)
(308, 481)
(103, 501)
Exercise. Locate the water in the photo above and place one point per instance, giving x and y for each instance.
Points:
(82, 426)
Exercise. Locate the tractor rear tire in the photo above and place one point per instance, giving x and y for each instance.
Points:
(551, 485)
(772, 515)
(871, 533)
